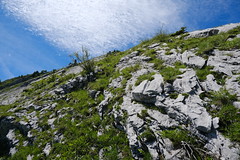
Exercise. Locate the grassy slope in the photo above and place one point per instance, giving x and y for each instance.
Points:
(82, 122)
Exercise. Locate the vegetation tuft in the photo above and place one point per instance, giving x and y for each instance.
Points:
(228, 114)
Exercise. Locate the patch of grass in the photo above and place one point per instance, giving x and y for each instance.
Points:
(179, 65)
(230, 45)
(147, 136)
(173, 95)
(179, 32)
(168, 53)
(204, 46)
(170, 73)
(80, 99)
(234, 31)
(228, 114)
(177, 136)
(143, 114)
(206, 70)
(20, 80)
(158, 64)
(153, 107)
(4, 110)
(99, 84)
(150, 53)
(238, 79)
(148, 76)
(46, 84)
(209, 43)
(162, 36)
(191, 144)
(127, 72)
(202, 73)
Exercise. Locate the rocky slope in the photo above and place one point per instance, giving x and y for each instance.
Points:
(171, 97)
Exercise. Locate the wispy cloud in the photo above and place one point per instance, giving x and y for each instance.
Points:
(100, 25)
(4, 71)
(23, 53)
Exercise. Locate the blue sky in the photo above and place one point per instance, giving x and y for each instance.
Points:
(40, 34)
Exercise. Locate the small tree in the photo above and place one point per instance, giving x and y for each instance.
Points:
(86, 61)
(179, 32)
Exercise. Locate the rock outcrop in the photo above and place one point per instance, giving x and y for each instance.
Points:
(148, 91)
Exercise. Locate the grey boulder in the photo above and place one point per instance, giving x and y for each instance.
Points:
(147, 91)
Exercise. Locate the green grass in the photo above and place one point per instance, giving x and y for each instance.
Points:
(228, 114)
(204, 46)
(207, 44)
(127, 72)
(173, 95)
(99, 84)
(177, 136)
(238, 79)
(81, 139)
(202, 73)
(148, 76)
(206, 70)
(162, 36)
(147, 136)
(20, 79)
(191, 144)
(230, 45)
(170, 73)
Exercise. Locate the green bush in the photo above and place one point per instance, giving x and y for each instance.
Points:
(86, 61)
(179, 32)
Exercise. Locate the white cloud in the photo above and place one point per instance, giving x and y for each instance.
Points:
(100, 25)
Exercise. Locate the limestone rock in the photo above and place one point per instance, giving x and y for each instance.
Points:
(131, 60)
(190, 59)
(187, 83)
(222, 147)
(72, 84)
(215, 122)
(212, 31)
(227, 62)
(47, 149)
(154, 45)
(236, 104)
(210, 84)
(233, 85)
(116, 83)
(147, 91)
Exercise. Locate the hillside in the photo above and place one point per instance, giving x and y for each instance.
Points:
(175, 96)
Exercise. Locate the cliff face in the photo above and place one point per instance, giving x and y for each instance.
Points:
(171, 97)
